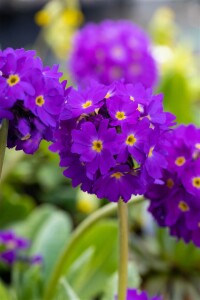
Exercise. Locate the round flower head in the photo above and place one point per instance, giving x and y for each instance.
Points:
(110, 51)
(133, 294)
(31, 98)
(175, 199)
(111, 141)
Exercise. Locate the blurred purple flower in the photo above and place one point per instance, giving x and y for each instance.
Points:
(113, 50)
(133, 294)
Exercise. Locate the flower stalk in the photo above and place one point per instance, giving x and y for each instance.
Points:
(123, 250)
(3, 142)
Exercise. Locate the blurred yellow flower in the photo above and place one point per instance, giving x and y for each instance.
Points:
(59, 21)
(86, 203)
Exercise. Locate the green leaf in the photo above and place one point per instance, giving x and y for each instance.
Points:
(4, 295)
(64, 291)
(97, 251)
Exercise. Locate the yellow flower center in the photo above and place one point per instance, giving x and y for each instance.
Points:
(13, 80)
(140, 108)
(183, 206)
(170, 183)
(132, 98)
(180, 161)
(131, 140)
(117, 175)
(97, 146)
(196, 182)
(40, 100)
(120, 115)
(87, 104)
(150, 152)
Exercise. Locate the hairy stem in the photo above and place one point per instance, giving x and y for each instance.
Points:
(3, 142)
(123, 250)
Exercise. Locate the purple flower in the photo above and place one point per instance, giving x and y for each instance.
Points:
(96, 148)
(108, 155)
(175, 200)
(10, 246)
(133, 294)
(110, 51)
(31, 98)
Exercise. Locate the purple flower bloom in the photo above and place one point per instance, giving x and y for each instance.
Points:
(10, 246)
(109, 156)
(31, 98)
(133, 294)
(96, 148)
(113, 50)
(175, 201)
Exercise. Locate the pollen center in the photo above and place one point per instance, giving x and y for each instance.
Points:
(87, 104)
(170, 183)
(132, 98)
(196, 182)
(39, 100)
(150, 152)
(117, 175)
(183, 206)
(120, 115)
(97, 146)
(13, 80)
(180, 161)
(131, 140)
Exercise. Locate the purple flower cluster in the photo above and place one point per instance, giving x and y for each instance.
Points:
(137, 295)
(112, 139)
(10, 247)
(110, 51)
(175, 201)
(31, 98)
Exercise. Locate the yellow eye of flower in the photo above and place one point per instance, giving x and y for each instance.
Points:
(170, 183)
(40, 100)
(196, 182)
(183, 206)
(117, 175)
(131, 140)
(13, 80)
(120, 115)
(87, 104)
(180, 161)
(132, 98)
(97, 146)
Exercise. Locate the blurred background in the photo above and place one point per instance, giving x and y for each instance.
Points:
(38, 200)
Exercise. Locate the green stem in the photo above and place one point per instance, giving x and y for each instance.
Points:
(123, 250)
(3, 142)
(85, 226)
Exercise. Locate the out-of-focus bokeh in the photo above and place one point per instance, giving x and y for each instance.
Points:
(38, 202)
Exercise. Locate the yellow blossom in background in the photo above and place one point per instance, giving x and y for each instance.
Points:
(59, 21)
(86, 203)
